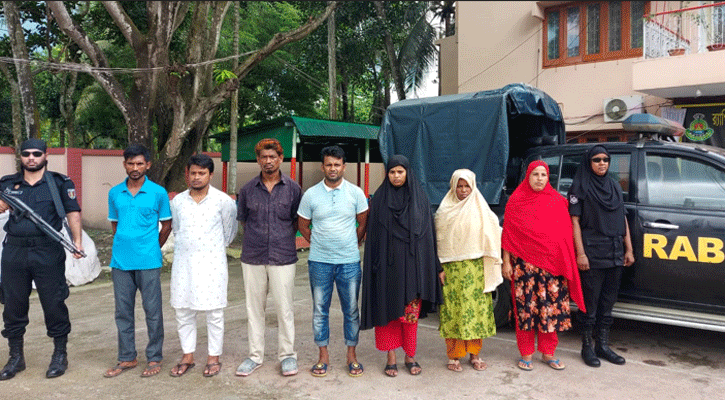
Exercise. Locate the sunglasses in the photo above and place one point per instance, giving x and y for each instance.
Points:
(600, 159)
(34, 153)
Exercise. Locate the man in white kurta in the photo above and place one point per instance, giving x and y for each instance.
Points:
(204, 224)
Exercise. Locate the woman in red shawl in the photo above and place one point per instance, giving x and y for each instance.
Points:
(540, 262)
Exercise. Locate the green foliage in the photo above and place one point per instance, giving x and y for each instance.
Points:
(98, 120)
(293, 81)
(222, 75)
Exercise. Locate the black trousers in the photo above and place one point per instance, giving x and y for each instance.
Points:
(38, 259)
(600, 287)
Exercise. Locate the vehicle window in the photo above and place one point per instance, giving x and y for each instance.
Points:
(681, 182)
(553, 163)
(568, 168)
(618, 170)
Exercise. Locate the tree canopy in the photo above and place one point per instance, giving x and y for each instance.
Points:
(106, 74)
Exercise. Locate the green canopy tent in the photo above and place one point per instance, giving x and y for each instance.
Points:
(306, 137)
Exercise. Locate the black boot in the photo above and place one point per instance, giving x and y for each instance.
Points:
(602, 348)
(588, 355)
(59, 359)
(16, 362)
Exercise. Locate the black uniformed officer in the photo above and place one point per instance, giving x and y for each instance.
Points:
(30, 255)
(603, 247)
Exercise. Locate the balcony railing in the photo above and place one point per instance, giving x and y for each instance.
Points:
(685, 31)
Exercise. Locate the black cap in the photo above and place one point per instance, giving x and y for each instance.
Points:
(34, 144)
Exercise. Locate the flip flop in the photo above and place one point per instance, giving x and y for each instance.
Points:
(353, 366)
(208, 368)
(478, 364)
(319, 367)
(454, 365)
(411, 365)
(151, 370)
(179, 372)
(391, 367)
(525, 365)
(118, 370)
(554, 363)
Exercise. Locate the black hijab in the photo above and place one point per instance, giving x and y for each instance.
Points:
(601, 195)
(400, 259)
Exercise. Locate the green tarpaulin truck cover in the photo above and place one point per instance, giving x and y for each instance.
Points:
(485, 132)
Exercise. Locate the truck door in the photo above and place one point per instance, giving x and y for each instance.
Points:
(679, 231)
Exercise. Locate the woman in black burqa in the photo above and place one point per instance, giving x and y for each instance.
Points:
(401, 266)
(603, 247)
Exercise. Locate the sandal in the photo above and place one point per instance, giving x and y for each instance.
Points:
(554, 363)
(355, 366)
(120, 368)
(391, 370)
(454, 365)
(179, 371)
(208, 369)
(153, 368)
(411, 365)
(525, 365)
(478, 364)
(319, 370)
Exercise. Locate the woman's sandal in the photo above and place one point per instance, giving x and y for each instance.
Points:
(478, 364)
(454, 365)
(525, 365)
(391, 370)
(411, 365)
(554, 363)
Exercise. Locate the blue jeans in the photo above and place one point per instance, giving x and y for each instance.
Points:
(347, 278)
(125, 284)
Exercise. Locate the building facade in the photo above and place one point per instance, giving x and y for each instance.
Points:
(600, 60)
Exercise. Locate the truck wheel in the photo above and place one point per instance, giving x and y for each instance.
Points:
(502, 304)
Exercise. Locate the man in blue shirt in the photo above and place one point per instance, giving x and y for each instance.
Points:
(334, 206)
(135, 208)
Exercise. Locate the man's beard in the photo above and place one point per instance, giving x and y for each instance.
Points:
(37, 167)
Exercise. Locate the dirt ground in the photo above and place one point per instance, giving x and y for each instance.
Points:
(662, 362)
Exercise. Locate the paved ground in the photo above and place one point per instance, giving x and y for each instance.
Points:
(662, 362)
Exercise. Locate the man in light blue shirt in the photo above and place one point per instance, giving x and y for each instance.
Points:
(333, 207)
(135, 208)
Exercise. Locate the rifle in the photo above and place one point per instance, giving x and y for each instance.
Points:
(20, 209)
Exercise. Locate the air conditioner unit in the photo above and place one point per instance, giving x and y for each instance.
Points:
(617, 109)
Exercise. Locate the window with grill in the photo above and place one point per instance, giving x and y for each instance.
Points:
(583, 32)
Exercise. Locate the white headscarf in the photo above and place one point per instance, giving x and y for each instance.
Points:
(467, 229)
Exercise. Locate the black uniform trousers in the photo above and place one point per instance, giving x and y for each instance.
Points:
(39, 259)
(601, 289)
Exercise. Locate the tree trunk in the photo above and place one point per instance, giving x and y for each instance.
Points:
(65, 103)
(17, 112)
(189, 110)
(343, 92)
(390, 50)
(22, 67)
(332, 66)
(350, 92)
(234, 112)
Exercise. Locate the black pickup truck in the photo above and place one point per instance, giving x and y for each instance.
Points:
(674, 194)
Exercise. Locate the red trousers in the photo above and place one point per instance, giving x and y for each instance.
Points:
(525, 340)
(547, 342)
(397, 334)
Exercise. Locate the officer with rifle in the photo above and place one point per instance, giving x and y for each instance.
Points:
(32, 253)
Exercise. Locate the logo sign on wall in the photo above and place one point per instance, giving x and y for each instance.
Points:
(705, 125)
(698, 131)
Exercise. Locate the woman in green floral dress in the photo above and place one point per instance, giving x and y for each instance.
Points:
(469, 248)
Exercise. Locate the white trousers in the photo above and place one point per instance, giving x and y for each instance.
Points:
(279, 280)
(186, 325)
